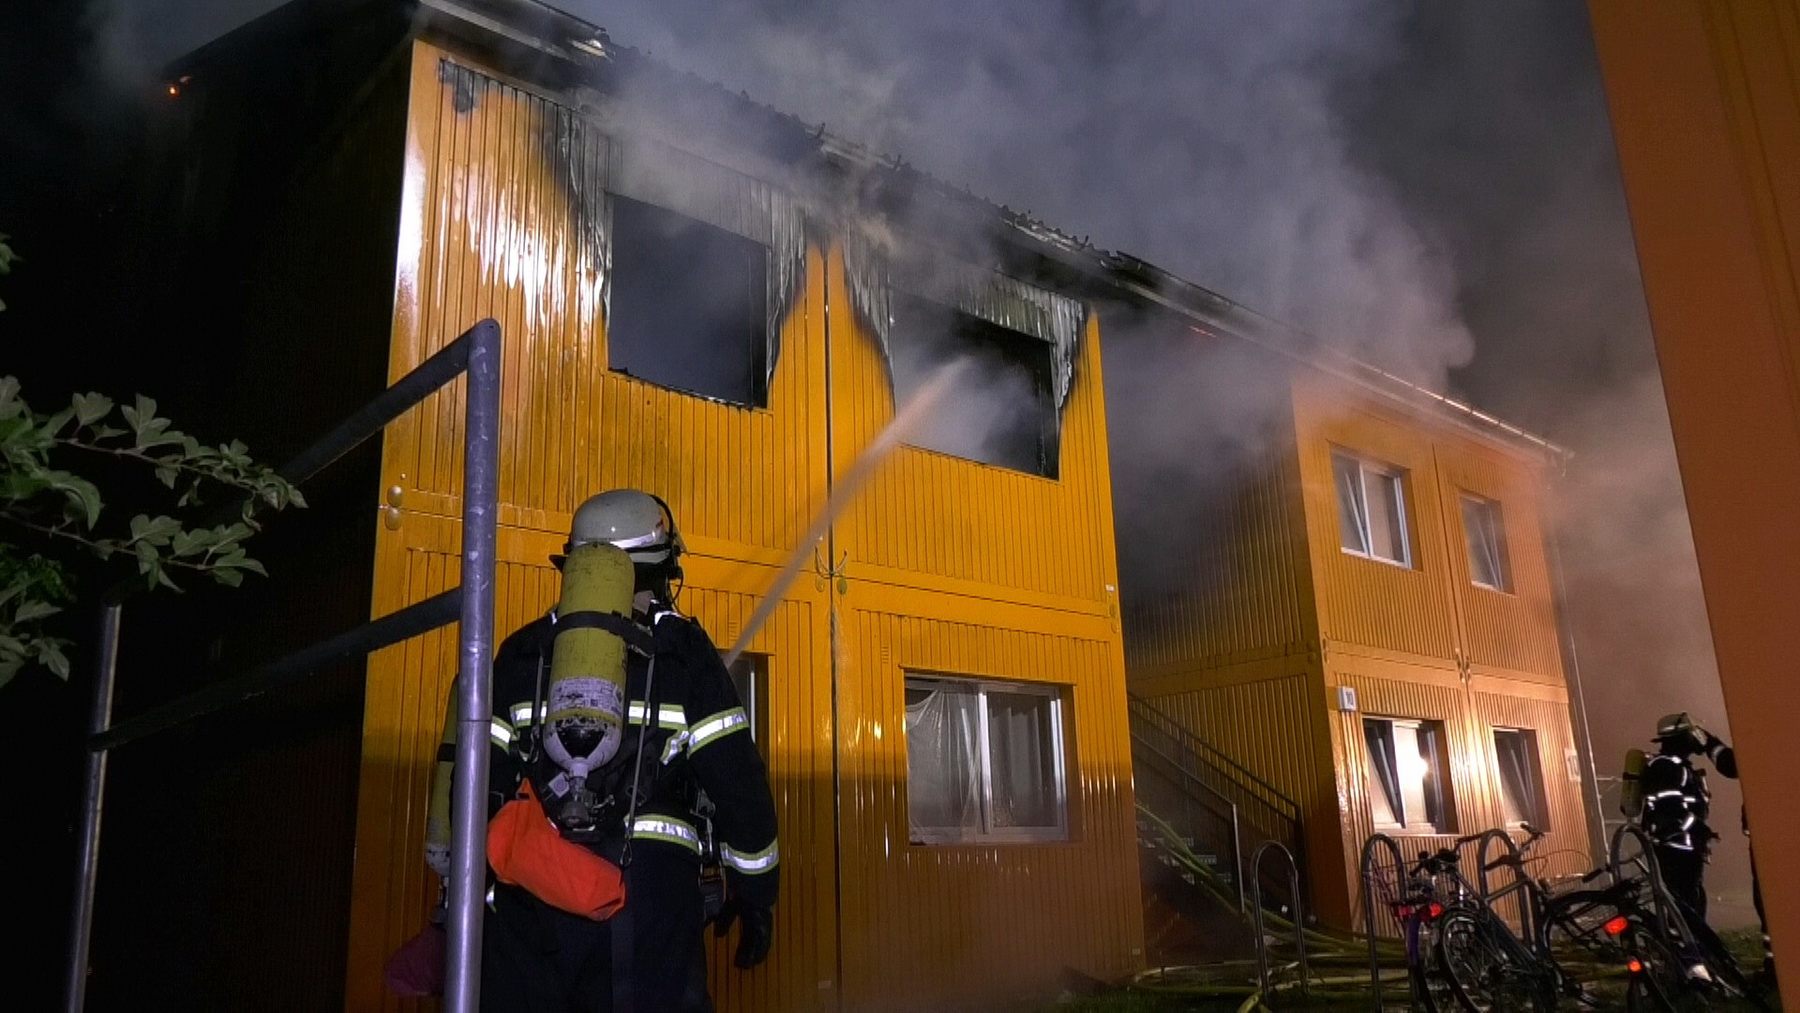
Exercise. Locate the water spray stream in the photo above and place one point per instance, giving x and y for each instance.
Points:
(927, 400)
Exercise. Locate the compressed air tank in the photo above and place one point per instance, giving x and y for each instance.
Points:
(1631, 785)
(585, 717)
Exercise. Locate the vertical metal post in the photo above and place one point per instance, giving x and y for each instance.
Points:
(468, 859)
(1584, 741)
(1237, 856)
(106, 664)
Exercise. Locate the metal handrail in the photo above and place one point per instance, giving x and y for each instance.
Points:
(1233, 770)
(477, 353)
(1231, 813)
(1256, 910)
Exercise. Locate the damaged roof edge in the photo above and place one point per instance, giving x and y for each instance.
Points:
(540, 29)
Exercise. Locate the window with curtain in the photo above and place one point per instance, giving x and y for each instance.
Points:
(984, 761)
(1486, 535)
(1521, 779)
(1407, 775)
(1371, 508)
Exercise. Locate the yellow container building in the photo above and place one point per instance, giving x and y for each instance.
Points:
(1364, 624)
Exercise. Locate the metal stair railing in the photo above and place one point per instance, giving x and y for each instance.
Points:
(477, 353)
(1256, 810)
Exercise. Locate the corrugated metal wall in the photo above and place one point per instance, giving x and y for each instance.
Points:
(1515, 629)
(1413, 642)
(1360, 600)
(1247, 598)
(973, 926)
(488, 229)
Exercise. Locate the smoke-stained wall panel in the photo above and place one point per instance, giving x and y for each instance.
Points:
(505, 186)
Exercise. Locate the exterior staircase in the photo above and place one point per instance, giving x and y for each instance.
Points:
(1201, 819)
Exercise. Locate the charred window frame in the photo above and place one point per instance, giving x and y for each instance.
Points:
(688, 308)
(1006, 413)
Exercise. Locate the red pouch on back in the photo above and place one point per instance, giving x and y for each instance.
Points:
(526, 850)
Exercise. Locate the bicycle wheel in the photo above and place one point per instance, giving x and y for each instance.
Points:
(1487, 972)
(1660, 983)
(1430, 989)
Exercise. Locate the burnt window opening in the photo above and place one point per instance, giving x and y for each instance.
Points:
(1003, 410)
(688, 308)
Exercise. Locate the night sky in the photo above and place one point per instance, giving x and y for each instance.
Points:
(1430, 186)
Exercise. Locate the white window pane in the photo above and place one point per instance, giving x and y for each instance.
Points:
(1353, 521)
(1413, 770)
(1022, 760)
(1384, 777)
(1520, 787)
(1387, 527)
(1482, 528)
(943, 738)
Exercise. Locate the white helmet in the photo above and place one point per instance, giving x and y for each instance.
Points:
(638, 522)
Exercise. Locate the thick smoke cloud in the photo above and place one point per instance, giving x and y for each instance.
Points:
(1429, 186)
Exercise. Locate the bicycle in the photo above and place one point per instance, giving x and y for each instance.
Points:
(1485, 965)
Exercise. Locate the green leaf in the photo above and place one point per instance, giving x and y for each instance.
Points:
(147, 560)
(166, 474)
(162, 577)
(31, 611)
(254, 567)
(49, 651)
(80, 493)
(228, 577)
(10, 404)
(294, 497)
(9, 667)
(53, 425)
(154, 530)
(91, 407)
(187, 543)
(107, 432)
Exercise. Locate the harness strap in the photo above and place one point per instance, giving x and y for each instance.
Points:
(635, 636)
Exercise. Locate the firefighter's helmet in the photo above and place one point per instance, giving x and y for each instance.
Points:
(1674, 725)
(638, 522)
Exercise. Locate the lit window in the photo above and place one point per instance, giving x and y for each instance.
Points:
(687, 305)
(1371, 509)
(1004, 413)
(984, 761)
(1486, 535)
(1406, 775)
(1521, 778)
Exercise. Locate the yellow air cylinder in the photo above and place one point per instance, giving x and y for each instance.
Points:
(586, 695)
(1631, 785)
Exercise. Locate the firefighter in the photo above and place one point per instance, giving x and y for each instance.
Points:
(685, 750)
(1676, 806)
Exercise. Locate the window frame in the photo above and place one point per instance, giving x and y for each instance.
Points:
(1403, 516)
(1056, 696)
(1497, 520)
(756, 670)
(1438, 788)
(1538, 804)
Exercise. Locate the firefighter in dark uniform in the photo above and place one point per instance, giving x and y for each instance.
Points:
(701, 795)
(1676, 806)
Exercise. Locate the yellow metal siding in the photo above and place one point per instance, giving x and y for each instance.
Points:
(930, 519)
(1545, 712)
(971, 926)
(1244, 598)
(1514, 630)
(486, 229)
(1360, 600)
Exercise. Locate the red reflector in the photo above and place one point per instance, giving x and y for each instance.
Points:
(1403, 911)
(1635, 966)
(1436, 910)
(1616, 926)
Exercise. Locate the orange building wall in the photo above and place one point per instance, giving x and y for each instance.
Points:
(945, 571)
(1416, 642)
(1705, 99)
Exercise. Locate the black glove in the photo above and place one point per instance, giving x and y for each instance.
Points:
(758, 933)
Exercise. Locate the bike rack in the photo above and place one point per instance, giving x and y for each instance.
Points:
(1488, 838)
(1256, 908)
(1380, 843)
(477, 353)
